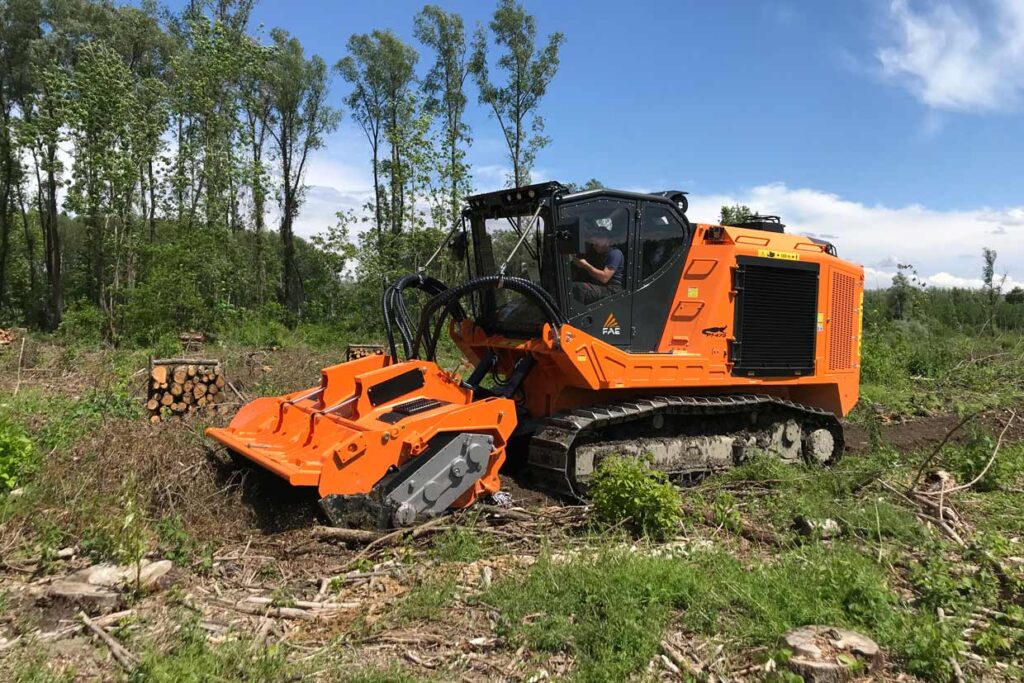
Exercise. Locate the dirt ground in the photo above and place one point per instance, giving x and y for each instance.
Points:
(263, 571)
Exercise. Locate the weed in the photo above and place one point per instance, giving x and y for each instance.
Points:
(458, 545)
(610, 608)
(426, 600)
(18, 455)
(191, 658)
(627, 489)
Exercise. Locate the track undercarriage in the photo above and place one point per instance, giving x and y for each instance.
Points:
(685, 436)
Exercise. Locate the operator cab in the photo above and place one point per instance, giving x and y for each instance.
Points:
(610, 259)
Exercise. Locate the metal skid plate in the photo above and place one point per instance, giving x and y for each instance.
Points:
(429, 484)
(425, 486)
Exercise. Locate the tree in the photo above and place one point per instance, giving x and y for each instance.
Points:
(988, 276)
(592, 184)
(735, 214)
(444, 86)
(258, 117)
(298, 96)
(18, 28)
(380, 68)
(528, 70)
(111, 124)
(1015, 296)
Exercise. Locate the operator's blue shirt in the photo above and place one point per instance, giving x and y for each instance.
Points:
(615, 262)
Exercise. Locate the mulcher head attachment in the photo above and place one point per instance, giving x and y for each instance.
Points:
(385, 443)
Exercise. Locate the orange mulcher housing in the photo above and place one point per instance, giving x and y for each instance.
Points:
(698, 311)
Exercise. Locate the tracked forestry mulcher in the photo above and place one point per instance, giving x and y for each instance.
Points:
(597, 322)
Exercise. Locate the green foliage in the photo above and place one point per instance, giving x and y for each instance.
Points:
(426, 600)
(393, 675)
(628, 490)
(735, 214)
(83, 324)
(193, 659)
(18, 456)
(459, 545)
(528, 69)
(609, 609)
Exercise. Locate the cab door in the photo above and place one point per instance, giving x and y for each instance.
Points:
(661, 245)
(602, 309)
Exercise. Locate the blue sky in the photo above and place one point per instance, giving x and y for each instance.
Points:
(895, 127)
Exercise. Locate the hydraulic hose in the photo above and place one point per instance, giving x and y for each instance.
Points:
(527, 288)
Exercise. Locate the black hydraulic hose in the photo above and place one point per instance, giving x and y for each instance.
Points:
(396, 313)
(522, 286)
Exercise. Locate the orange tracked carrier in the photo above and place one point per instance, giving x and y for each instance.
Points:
(597, 322)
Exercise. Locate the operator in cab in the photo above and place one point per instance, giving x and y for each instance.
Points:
(599, 272)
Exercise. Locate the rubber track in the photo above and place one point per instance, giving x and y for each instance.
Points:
(551, 455)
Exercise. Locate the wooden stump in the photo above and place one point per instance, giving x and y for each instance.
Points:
(825, 654)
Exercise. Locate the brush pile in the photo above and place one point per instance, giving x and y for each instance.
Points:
(183, 386)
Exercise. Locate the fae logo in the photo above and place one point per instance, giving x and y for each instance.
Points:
(611, 325)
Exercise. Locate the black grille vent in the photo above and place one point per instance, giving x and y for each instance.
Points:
(776, 318)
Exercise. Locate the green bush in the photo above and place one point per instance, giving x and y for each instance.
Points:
(17, 455)
(83, 324)
(628, 489)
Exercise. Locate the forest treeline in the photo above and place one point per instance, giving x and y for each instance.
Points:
(153, 163)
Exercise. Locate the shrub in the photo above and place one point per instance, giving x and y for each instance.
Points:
(17, 455)
(82, 324)
(628, 489)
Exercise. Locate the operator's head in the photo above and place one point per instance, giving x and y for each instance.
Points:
(599, 241)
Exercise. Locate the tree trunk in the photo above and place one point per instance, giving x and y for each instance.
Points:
(30, 256)
(151, 218)
(53, 247)
(258, 223)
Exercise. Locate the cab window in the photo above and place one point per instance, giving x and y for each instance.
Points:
(662, 236)
(600, 271)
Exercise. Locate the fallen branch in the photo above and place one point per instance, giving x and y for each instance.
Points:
(935, 452)
(681, 661)
(984, 471)
(514, 514)
(347, 535)
(267, 610)
(393, 537)
(304, 604)
(125, 658)
(105, 620)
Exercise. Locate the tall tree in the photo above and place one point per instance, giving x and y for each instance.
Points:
(258, 117)
(18, 28)
(111, 124)
(444, 86)
(528, 69)
(298, 95)
(381, 69)
(735, 214)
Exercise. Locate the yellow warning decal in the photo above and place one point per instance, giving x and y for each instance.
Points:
(784, 255)
(691, 292)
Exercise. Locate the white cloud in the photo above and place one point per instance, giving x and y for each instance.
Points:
(955, 56)
(883, 237)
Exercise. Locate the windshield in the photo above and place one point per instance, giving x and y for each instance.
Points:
(494, 240)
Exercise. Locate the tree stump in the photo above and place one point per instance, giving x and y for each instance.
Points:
(825, 654)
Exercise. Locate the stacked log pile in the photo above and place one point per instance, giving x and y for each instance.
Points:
(180, 387)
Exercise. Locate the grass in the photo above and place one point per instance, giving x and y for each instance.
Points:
(426, 600)
(192, 659)
(609, 609)
(608, 606)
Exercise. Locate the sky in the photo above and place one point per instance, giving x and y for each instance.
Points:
(893, 128)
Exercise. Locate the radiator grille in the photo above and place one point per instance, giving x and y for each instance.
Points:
(776, 318)
(842, 316)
